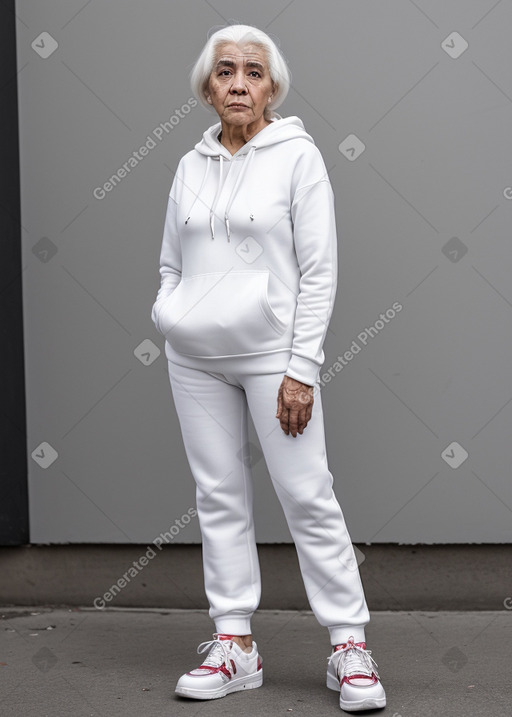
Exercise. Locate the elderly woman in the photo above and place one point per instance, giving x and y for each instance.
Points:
(248, 270)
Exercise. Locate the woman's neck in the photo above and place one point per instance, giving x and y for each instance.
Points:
(233, 137)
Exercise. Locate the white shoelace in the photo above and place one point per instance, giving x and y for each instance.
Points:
(219, 652)
(353, 660)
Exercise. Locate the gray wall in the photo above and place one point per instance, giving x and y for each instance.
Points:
(423, 219)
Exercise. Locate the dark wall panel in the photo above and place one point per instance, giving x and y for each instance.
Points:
(13, 449)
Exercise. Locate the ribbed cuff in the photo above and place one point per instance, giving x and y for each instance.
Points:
(341, 633)
(233, 625)
(303, 370)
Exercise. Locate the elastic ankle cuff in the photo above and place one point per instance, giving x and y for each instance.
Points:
(233, 625)
(341, 633)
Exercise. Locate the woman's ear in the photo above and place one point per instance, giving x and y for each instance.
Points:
(206, 92)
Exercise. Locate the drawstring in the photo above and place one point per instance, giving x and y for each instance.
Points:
(247, 161)
(217, 195)
(208, 161)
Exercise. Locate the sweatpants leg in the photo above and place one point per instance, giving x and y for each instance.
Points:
(213, 420)
(304, 485)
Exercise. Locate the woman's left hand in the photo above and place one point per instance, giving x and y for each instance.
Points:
(294, 405)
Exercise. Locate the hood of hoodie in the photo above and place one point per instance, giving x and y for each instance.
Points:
(280, 130)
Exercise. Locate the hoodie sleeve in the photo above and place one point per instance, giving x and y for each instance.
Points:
(170, 256)
(315, 241)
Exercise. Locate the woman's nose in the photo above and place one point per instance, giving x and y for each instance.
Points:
(238, 84)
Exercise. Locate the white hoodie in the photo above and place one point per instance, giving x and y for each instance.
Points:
(248, 263)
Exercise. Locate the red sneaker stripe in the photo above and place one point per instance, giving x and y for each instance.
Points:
(347, 678)
(225, 670)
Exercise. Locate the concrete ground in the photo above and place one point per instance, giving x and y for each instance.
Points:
(75, 662)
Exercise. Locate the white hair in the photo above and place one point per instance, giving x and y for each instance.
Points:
(241, 34)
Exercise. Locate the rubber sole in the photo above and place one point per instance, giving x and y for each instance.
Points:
(236, 684)
(367, 704)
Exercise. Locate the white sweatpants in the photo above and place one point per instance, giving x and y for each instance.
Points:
(212, 410)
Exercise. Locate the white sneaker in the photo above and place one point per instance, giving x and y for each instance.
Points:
(352, 672)
(227, 668)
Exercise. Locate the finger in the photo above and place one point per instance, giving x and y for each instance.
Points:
(294, 421)
(279, 403)
(283, 416)
(305, 417)
(302, 421)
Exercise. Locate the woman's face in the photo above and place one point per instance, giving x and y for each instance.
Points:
(240, 83)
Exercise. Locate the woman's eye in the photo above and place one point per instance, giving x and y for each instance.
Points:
(252, 73)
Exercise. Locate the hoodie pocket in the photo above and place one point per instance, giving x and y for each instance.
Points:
(221, 314)
(157, 310)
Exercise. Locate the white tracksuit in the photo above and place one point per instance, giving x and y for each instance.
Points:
(248, 270)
